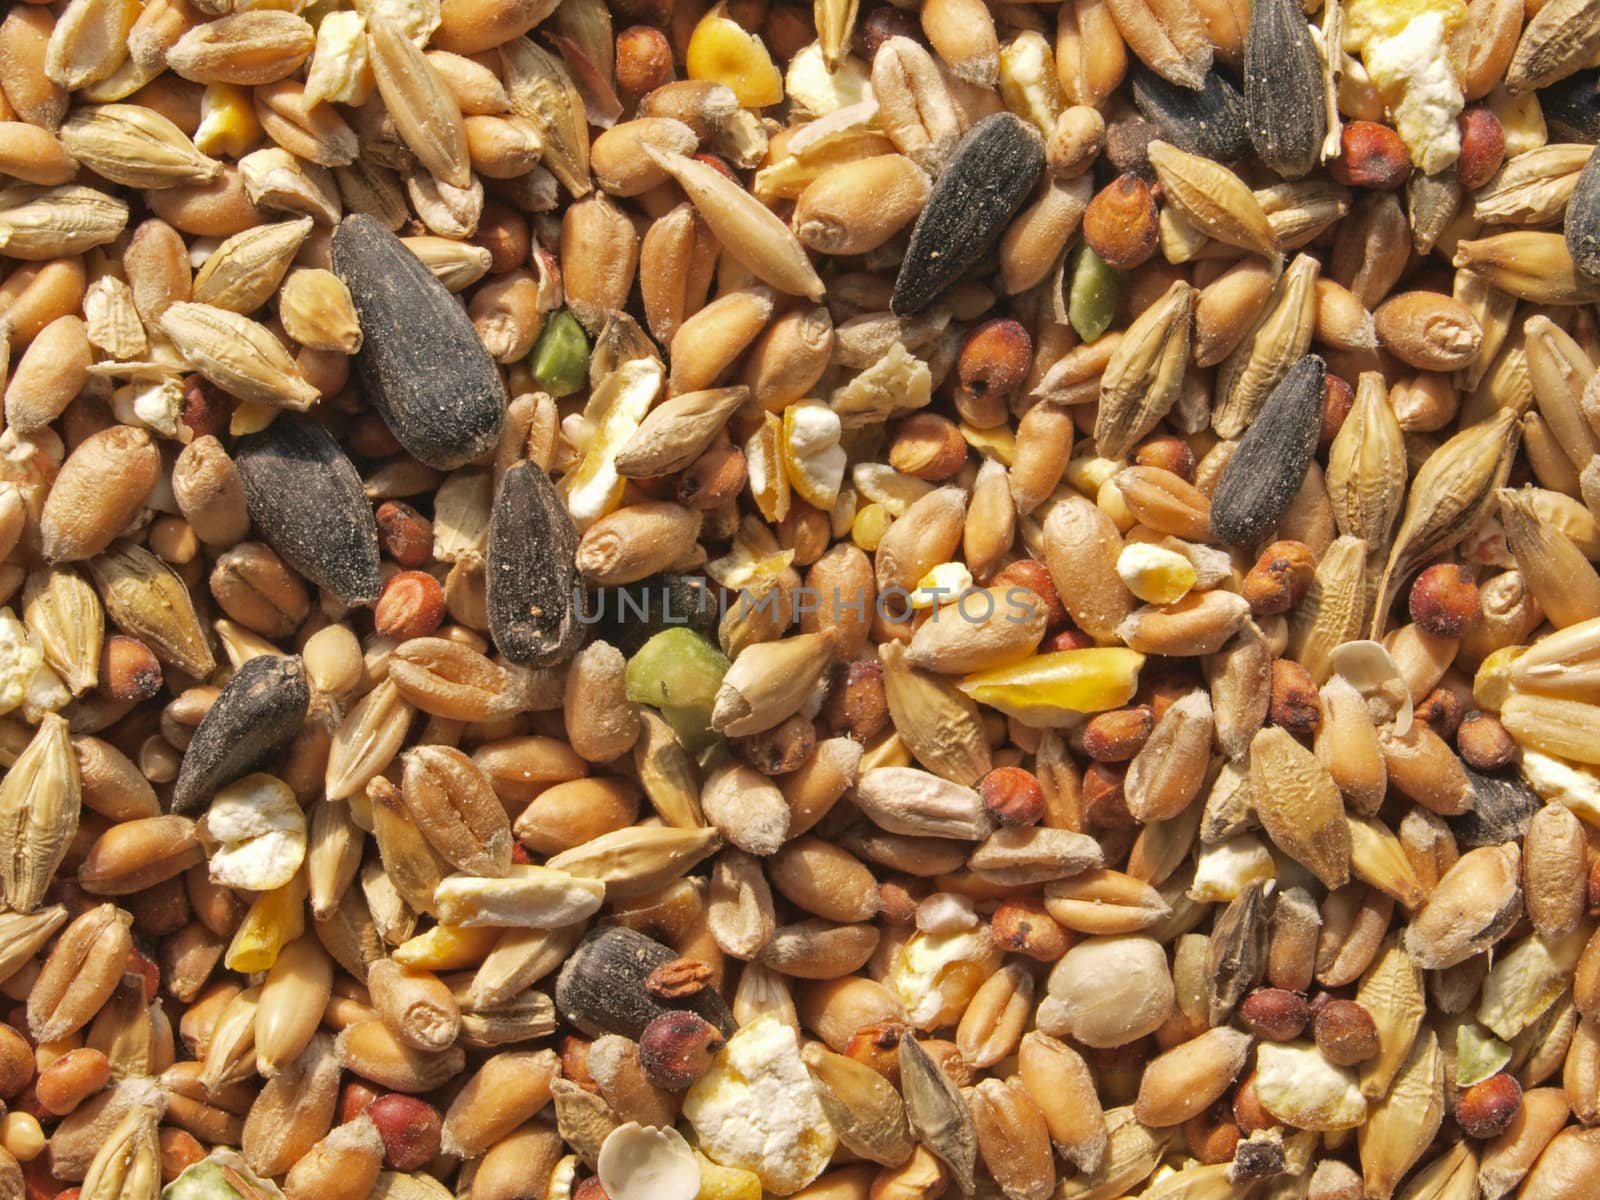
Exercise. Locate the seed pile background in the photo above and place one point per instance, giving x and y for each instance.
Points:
(618, 598)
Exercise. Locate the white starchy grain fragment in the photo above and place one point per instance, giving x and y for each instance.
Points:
(1298, 1085)
(21, 658)
(536, 897)
(1578, 788)
(757, 1108)
(814, 91)
(936, 973)
(1223, 869)
(1526, 980)
(262, 831)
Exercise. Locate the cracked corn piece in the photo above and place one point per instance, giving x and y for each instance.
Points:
(758, 1110)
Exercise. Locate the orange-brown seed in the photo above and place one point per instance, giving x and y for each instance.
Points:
(410, 1130)
(1035, 576)
(1116, 736)
(405, 534)
(644, 60)
(928, 446)
(1275, 1014)
(1488, 1106)
(1012, 796)
(857, 707)
(1169, 453)
(1483, 146)
(676, 1048)
(1121, 224)
(1483, 742)
(1338, 399)
(1248, 1110)
(1440, 710)
(1105, 807)
(1371, 156)
(411, 605)
(1023, 925)
(129, 670)
(1280, 578)
(714, 478)
(180, 1150)
(992, 366)
(71, 1079)
(16, 1062)
(1212, 1136)
(1295, 705)
(1444, 600)
(678, 979)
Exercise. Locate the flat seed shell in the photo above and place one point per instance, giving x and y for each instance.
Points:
(260, 710)
(421, 362)
(531, 570)
(1284, 95)
(307, 500)
(991, 173)
(1209, 122)
(1260, 481)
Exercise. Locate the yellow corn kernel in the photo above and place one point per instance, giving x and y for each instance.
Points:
(813, 459)
(726, 1183)
(341, 69)
(941, 585)
(1109, 500)
(447, 948)
(1028, 82)
(251, 416)
(228, 124)
(871, 523)
(1155, 574)
(937, 974)
(721, 51)
(886, 750)
(999, 443)
(275, 919)
(769, 482)
(843, 512)
(1038, 688)
(1491, 686)
(1089, 473)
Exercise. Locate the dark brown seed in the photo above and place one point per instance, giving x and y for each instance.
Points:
(1275, 1014)
(990, 174)
(1261, 479)
(1128, 146)
(306, 499)
(421, 363)
(1209, 122)
(259, 712)
(531, 570)
(1284, 95)
(1345, 1032)
(601, 988)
